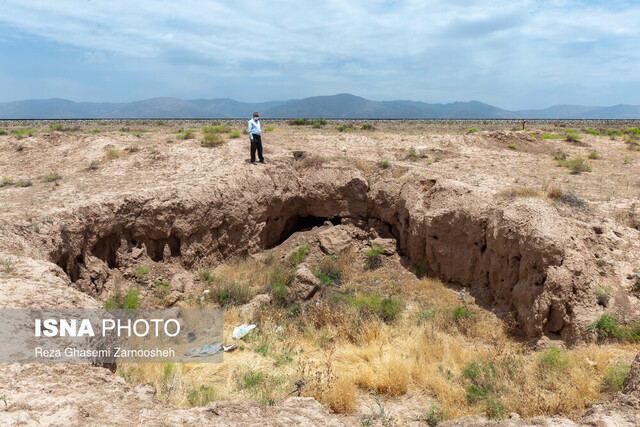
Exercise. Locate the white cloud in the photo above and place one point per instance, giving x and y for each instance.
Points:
(413, 49)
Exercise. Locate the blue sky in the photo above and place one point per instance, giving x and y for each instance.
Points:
(514, 54)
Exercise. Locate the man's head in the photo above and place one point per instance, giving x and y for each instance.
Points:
(256, 116)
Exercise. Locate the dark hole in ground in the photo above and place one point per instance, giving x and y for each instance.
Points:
(302, 223)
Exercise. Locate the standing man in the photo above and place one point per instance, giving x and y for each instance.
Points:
(256, 138)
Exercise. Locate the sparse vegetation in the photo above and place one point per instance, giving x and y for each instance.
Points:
(367, 126)
(234, 134)
(572, 136)
(373, 257)
(614, 377)
(52, 177)
(23, 133)
(129, 301)
(268, 129)
(593, 155)
(627, 159)
(576, 165)
(513, 146)
(343, 128)
(612, 328)
(7, 264)
(187, 134)
(328, 271)
(299, 254)
(161, 288)
(471, 130)
(231, 294)
(141, 271)
(212, 140)
(384, 164)
(592, 132)
(550, 136)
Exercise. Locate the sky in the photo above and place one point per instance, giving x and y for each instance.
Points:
(514, 54)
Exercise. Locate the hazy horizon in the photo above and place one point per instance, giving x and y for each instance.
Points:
(515, 55)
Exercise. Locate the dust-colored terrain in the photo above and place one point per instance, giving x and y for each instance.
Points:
(392, 222)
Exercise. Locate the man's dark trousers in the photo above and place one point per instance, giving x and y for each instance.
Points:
(256, 144)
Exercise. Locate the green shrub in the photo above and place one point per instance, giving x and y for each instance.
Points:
(141, 271)
(390, 308)
(373, 257)
(633, 131)
(23, 183)
(319, 122)
(367, 126)
(461, 312)
(251, 379)
(552, 360)
(577, 165)
(343, 128)
(614, 377)
(161, 288)
(234, 134)
(299, 254)
(279, 279)
(572, 136)
(231, 294)
(52, 177)
(3, 132)
(611, 328)
(205, 275)
(328, 271)
(614, 132)
(5, 182)
(159, 122)
(627, 159)
(593, 155)
(592, 132)
(21, 133)
(299, 122)
(384, 164)
(212, 140)
(268, 129)
(187, 134)
(215, 129)
(201, 396)
(96, 131)
(129, 301)
(513, 146)
(434, 416)
(471, 130)
(56, 127)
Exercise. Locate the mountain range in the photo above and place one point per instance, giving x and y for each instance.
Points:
(343, 105)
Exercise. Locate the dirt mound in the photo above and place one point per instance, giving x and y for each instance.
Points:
(632, 382)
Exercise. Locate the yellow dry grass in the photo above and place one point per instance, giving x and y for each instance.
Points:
(342, 351)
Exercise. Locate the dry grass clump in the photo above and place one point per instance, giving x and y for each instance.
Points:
(310, 162)
(211, 139)
(521, 191)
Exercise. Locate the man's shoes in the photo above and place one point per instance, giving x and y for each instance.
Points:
(262, 161)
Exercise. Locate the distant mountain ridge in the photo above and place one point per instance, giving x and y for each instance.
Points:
(343, 105)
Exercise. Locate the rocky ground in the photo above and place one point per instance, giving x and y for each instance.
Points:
(490, 210)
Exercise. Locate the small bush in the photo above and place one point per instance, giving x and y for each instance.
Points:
(129, 301)
(572, 136)
(614, 377)
(299, 122)
(234, 134)
(556, 193)
(141, 271)
(471, 130)
(205, 275)
(96, 131)
(212, 140)
(513, 146)
(268, 129)
(461, 312)
(384, 164)
(319, 122)
(434, 416)
(23, 183)
(577, 165)
(343, 128)
(56, 127)
(299, 254)
(593, 155)
(21, 133)
(7, 264)
(231, 294)
(614, 132)
(611, 328)
(251, 379)
(627, 159)
(187, 134)
(373, 257)
(201, 396)
(592, 132)
(159, 122)
(279, 279)
(367, 126)
(633, 131)
(3, 132)
(52, 177)
(552, 360)
(161, 288)
(328, 271)
(5, 182)
(390, 308)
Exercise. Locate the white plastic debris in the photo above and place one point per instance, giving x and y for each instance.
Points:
(344, 149)
(242, 330)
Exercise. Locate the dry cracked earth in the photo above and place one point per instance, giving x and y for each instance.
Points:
(544, 251)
